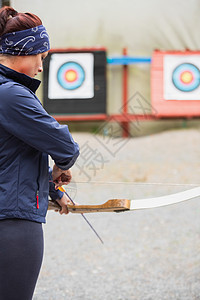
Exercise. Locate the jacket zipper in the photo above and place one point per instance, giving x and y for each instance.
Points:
(37, 199)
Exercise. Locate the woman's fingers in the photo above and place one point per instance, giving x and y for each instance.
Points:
(64, 210)
(63, 179)
(63, 204)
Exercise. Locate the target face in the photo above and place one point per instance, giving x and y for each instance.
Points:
(186, 77)
(71, 76)
(182, 77)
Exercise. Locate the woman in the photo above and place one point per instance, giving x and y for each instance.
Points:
(27, 136)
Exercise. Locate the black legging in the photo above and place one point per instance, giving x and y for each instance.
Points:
(21, 252)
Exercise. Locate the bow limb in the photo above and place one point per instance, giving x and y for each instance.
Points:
(165, 200)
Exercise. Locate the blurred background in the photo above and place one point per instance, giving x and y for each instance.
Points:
(141, 61)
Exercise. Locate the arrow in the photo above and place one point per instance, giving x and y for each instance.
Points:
(63, 190)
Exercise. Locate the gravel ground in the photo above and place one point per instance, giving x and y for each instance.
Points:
(147, 254)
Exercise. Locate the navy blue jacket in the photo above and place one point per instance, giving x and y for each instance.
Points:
(28, 134)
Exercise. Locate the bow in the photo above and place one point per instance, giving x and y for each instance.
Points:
(119, 205)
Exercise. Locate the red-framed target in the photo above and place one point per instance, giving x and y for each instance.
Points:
(175, 83)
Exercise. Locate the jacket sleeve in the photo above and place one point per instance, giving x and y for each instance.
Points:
(24, 117)
(53, 193)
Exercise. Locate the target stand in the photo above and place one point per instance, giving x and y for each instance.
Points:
(75, 85)
(75, 82)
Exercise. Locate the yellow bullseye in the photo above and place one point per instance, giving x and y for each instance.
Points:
(186, 77)
(70, 75)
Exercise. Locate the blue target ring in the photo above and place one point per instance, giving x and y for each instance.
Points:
(186, 77)
(71, 75)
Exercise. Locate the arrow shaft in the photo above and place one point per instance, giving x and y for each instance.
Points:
(92, 228)
(63, 190)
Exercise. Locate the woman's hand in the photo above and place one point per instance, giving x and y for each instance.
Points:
(61, 177)
(63, 202)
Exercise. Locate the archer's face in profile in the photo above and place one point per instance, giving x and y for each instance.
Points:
(31, 65)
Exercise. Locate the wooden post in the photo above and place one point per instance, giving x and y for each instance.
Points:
(125, 123)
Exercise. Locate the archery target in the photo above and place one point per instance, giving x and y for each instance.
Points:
(71, 76)
(182, 77)
(186, 78)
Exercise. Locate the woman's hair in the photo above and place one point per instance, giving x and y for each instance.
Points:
(11, 20)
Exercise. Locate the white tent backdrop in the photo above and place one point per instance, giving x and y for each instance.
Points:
(140, 25)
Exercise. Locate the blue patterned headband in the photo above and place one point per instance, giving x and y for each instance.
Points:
(25, 42)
